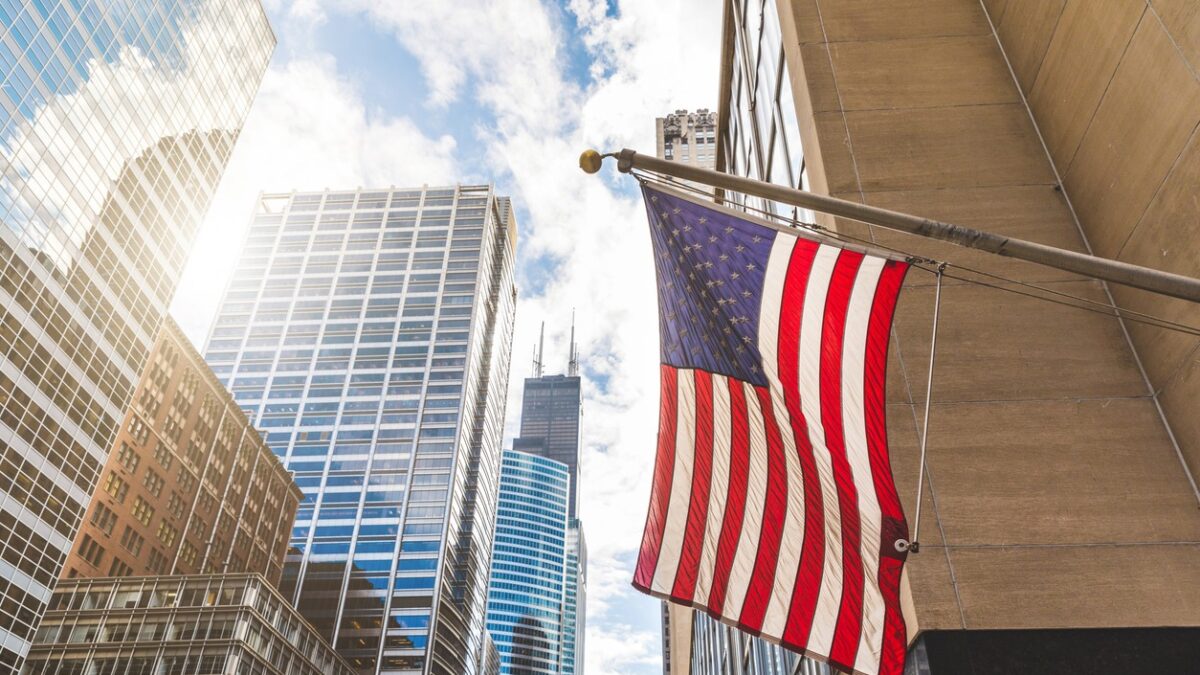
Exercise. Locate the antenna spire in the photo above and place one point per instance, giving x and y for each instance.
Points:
(573, 361)
(537, 357)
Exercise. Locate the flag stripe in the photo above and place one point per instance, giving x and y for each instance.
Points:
(829, 596)
(808, 574)
(758, 594)
(845, 636)
(739, 467)
(756, 494)
(718, 489)
(664, 463)
(697, 516)
(774, 309)
(895, 637)
(858, 317)
(681, 480)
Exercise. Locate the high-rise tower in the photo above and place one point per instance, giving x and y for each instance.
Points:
(369, 333)
(116, 121)
(550, 428)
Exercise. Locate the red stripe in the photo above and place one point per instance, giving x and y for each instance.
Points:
(697, 518)
(660, 492)
(758, 593)
(847, 633)
(895, 635)
(808, 576)
(735, 503)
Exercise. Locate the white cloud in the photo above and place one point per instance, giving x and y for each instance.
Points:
(648, 59)
(308, 130)
(619, 649)
(512, 57)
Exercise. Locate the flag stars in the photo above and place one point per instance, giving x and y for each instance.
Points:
(750, 267)
(728, 229)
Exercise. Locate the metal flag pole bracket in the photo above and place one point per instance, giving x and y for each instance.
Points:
(914, 546)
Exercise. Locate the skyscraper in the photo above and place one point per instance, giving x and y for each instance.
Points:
(189, 486)
(368, 332)
(551, 411)
(527, 593)
(1015, 119)
(116, 121)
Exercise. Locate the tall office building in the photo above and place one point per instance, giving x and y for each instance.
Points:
(551, 412)
(527, 594)
(116, 121)
(369, 332)
(1068, 546)
(189, 485)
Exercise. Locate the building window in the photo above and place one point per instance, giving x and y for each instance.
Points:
(104, 518)
(154, 483)
(132, 541)
(157, 562)
(142, 511)
(166, 534)
(116, 487)
(175, 505)
(90, 550)
(128, 457)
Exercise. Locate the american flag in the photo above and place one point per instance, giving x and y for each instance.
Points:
(772, 504)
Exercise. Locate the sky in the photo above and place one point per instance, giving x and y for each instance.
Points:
(375, 93)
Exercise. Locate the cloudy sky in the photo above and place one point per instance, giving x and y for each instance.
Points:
(375, 93)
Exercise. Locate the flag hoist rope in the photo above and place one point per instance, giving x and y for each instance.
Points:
(1145, 278)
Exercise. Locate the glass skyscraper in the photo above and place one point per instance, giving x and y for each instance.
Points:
(528, 590)
(116, 121)
(368, 333)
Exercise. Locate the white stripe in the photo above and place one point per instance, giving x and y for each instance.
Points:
(681, 483)
(858, 317)
(718, 488)
(829, 598)
(792, 541)
(756, 493)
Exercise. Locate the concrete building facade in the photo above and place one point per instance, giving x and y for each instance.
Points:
(368, 332)
(1061, 529)
(189, 486)
(116, 121)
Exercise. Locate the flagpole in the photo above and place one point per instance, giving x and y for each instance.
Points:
(1136, 276)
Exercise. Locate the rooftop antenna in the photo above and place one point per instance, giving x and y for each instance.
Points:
(537, 357)
(573, 362)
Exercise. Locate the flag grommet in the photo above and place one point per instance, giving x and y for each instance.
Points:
(902, 545)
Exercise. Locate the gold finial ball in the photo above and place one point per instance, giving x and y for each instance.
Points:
(590, 161)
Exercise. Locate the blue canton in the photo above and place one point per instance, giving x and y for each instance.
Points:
(710, 268)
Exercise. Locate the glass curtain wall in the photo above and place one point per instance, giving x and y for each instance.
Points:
(116, 121)
(368, 334)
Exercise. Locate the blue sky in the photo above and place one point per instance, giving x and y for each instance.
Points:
(381, 92)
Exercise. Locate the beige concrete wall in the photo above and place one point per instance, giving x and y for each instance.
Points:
(1056, 497)
(1114, 85)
